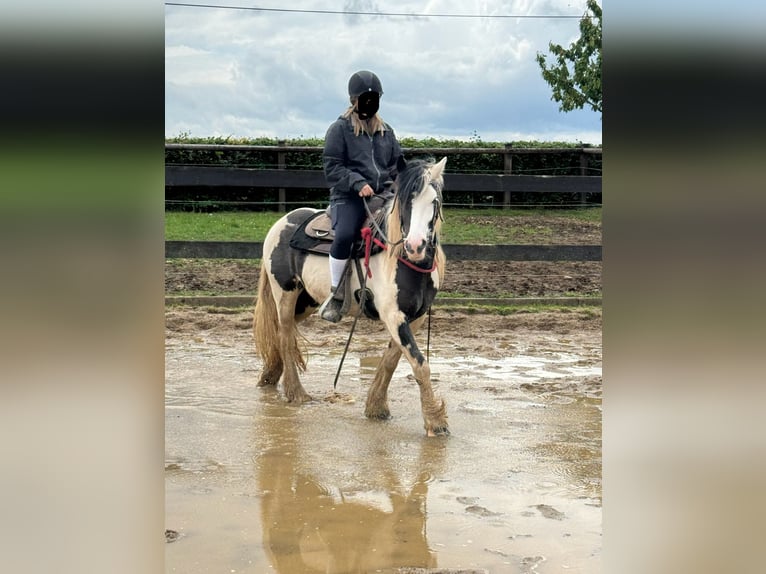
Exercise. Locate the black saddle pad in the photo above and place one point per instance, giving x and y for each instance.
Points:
(314, 236)
(303, 241)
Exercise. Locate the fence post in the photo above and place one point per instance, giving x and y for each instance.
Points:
(507, 167)
(282, 164)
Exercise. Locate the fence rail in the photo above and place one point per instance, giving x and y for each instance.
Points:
(284, 178)
(458, 252)
(192, 176)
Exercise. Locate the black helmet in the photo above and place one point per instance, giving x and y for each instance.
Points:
(364, 81)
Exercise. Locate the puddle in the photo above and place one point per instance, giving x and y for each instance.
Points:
(255, 485)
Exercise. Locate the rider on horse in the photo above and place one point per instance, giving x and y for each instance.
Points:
(360, 159)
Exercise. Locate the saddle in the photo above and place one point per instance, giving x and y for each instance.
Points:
(315, 235)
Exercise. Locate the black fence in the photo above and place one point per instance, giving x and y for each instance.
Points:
(201, 177)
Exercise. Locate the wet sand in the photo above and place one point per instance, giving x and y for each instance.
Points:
(256, 485)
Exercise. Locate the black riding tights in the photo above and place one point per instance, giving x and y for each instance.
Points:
(347, 218)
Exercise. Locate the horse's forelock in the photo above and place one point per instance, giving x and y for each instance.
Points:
(414, 177)
(410, 183)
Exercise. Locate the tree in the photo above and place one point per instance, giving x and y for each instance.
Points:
(576, 77)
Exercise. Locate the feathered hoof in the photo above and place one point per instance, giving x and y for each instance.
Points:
(270, 377)
(383, 415)
(298, 398)
(266, 382)
(439, 431)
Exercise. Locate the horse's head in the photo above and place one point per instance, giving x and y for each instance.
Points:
(419, 201)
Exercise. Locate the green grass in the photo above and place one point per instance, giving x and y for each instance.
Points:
(219, 226)
(586, 214)
(461, 225)
(488, 229)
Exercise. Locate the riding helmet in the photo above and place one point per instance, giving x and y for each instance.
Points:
(364, 81)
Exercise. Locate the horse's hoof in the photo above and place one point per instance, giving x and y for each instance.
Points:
(299, 399)
(266, 384)
(380, 416)
(441, 431)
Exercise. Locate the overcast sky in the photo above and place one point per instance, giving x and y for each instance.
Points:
(246, 73)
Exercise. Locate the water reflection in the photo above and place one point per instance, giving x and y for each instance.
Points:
(336, 522)
(255, 485)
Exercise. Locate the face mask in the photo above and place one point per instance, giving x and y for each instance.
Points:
(367, 105)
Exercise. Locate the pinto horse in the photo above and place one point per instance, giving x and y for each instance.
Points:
(401, 282)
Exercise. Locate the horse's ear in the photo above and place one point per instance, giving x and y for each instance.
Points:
(437, 169)
(401, 164)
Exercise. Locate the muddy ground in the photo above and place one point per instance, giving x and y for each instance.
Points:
(484, 334)
(256, 485)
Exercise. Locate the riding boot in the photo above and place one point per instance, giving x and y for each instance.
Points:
(331, 309)
(337, 303)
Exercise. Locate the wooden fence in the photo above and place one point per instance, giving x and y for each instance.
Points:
(284, 178)
(458, 252)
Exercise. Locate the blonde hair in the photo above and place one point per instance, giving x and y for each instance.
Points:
(370, 126)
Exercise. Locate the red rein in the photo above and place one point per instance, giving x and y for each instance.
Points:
(368, 239)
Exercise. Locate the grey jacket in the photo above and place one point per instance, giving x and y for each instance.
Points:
(351, 161)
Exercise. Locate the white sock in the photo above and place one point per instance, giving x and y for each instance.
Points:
(337, 266)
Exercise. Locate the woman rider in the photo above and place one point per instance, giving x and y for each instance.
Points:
(360, 159)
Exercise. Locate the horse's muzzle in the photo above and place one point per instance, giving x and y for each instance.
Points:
(415, 249)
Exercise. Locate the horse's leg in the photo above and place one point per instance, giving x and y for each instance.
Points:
(433, 409)
(288, 345)
(377, 396)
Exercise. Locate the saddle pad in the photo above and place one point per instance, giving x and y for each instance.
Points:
(320, 227)
(314, 238)
(315, 235)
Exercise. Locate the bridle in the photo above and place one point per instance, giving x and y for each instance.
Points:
(385, 244)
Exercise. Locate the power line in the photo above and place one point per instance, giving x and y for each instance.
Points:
(390, 14)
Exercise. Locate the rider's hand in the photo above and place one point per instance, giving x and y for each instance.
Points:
(366, 191)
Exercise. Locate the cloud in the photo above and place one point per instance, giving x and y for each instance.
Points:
(248, 73)
(203, 70)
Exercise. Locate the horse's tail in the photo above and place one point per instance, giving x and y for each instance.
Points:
(266, 321)
(266, 326)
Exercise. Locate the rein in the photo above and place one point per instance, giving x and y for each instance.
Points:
(376, 226)
(369, 239)
(362, 300)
